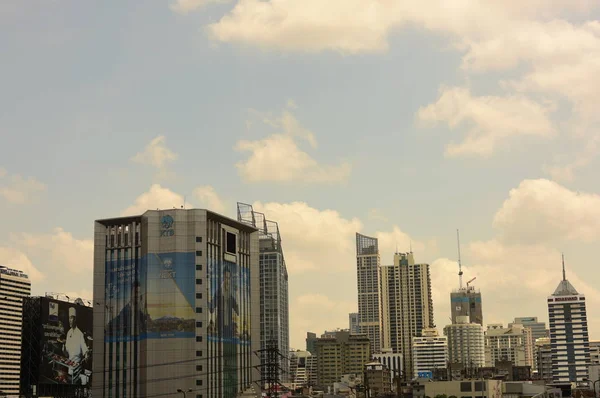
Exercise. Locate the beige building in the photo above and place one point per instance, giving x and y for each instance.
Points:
(430, 352)
(379, 379)
(543, 358)
(343, 354)
(514, 344)
(369, 289)
(461, 389)
(465, 343)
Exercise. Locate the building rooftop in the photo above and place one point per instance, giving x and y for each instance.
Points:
(564, 288)
(12, 272)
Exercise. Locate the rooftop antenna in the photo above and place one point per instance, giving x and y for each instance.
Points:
(410, 246)
(184, 202)
(460, 273)
(563, 265)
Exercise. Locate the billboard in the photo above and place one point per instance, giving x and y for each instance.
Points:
(152, 298)
(66, 343)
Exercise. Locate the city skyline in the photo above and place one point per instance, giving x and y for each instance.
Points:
(403, 128)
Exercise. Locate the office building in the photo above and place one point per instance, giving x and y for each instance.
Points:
(466, 301)
(569, 336)
(369, 289)
(430, 353)
(274, 303)
(543, 359)
(392, 361)
(311, 339)
(465, 343)
(177, 305)
(302, 369)
(595, 352)
(343, 354)
(354, 322)
(538, 329)
(14, 287)
(508, 344)
(407, 304)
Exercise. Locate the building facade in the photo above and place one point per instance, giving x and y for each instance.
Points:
(430, 352)
(14, 287)
(538, 329)
(343, 354)
(378, 379)
(302, 369)
(311, 340)
(466, 344)
(569, 337)
(407, 304)
(274, 296)
(512, 344)
(595, 352)
(354, 323)
(369, 289)
(543, 359)
(392, 362)
(177, 305)
(466, 301)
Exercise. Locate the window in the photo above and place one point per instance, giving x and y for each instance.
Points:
(231, 243)
(465, 386)
(198, 395)
(198, 353)
(198, 339)
(198, 267)
(198, 239)
(198, 382)
(198, 281)
(198, 310)
(199, 253)
(480, 386)
(198, 368)
(198, 324)
(198, 295)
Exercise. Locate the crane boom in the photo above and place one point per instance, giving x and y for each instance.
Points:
(469, 282)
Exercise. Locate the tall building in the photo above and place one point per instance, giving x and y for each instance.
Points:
(466, 343)
(369, 289)
(543, 359)
(512, 344)
(274, 304)
(569, 336)
(430, 352)
(177, 305)
(538, 329)
(407, 304)
(343, 354)
(466, 301)
(14, 287)
(354, 322)
(311, 339)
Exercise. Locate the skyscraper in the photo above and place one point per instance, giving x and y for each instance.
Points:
(354, 322)
(311, 339)
(177, 305)
(14, 287)
(369, 289)
(407, 304)
(466, 343)
(569, 336)
(274, 306)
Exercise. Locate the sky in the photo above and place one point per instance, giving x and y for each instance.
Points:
(403, 120)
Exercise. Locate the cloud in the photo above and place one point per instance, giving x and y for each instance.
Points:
(16, 259)
(186, 6)
(208, 197)
(156, 154)
(278, 158)
(16, 189)
(377, 215)
(544, 211)
(156, 197)
(488, 119)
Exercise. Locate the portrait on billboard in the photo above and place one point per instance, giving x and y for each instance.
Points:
(66, 343)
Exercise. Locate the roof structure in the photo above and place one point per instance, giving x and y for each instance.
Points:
(564, 288)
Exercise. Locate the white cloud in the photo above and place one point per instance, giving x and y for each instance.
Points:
(488, 119)
(542, 210)
(16, 259)
(16, 189)
(186, 6)
(156, 197)
(156, 154)
(208, 197)
(278, 157)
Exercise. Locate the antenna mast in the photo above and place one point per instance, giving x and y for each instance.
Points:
(460, 273)
(563, 265)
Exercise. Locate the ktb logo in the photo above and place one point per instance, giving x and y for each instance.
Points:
(166, 224)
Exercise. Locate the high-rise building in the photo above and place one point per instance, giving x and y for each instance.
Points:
(311, 339)
(430, 352)
(543, 359)
(407, 304)
(538, 329)
(14, 287)
(343, 354)
(354, 322)
(466, 301)
(177, 305)
(508, 344)
(369, 289)
(274, 305)
(568, 333)
(465, 343)
(302, 368)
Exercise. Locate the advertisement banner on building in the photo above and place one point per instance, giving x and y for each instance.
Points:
(66, 343)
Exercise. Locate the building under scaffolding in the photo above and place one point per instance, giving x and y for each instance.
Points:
(274, 307)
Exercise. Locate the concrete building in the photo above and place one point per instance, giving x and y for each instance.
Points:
(274, 296)
(369, 289)
(354, 323)
(311, 339)
(543, 359)
(595, 352)
(430, 352)
(538, 329)
(392, 361)
(466, 301)
(378, 379)
(569, 336)
(14, 287)
(340, 355)
(407, 304)
(465, 343)
(463, 389)
(177, 296)
(303, 369)
(512, 344)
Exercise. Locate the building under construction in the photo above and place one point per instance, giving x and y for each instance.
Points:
(274, 305)
(465, 301)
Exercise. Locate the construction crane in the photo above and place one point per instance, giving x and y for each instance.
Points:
(469, 282)
(460, 272)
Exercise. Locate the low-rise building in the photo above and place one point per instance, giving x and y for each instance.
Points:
(302, 369)
(378, 379)
(460, 389)
(430, 353)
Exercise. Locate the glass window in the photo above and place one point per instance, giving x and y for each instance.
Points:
(198, 239)
(465, 386)
(199, 253)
